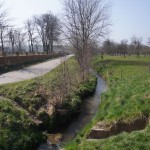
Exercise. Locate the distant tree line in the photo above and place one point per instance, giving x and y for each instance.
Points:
(82, 26)
(83, 23)
(39, 30)
(134, 47)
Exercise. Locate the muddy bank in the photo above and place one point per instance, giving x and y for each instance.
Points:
(104, 130)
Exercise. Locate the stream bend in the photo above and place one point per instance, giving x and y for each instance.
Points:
(89, 110)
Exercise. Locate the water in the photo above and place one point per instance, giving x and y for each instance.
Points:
(48, 146)
(89, 110)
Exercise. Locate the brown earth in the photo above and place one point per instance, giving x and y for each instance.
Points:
(104, 130)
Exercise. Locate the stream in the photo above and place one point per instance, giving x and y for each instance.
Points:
(89, 110)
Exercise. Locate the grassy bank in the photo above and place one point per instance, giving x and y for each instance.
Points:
(17, 130)
(30, 107)
(127, 98)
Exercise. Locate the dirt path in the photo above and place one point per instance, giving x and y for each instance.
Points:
(32, 71)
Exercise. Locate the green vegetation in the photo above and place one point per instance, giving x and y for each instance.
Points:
(137, 140)
(17, 130)
(129, 88)
(127, 98)
(30, 107)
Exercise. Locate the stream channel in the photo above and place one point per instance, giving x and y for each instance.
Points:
(88, 111)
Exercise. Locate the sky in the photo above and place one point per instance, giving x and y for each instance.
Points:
(128, 17)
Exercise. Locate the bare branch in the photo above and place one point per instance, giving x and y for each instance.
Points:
(85, 21)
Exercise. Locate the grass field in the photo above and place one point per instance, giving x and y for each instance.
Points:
(127, 98)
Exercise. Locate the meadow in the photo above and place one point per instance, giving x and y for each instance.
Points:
(127, 99)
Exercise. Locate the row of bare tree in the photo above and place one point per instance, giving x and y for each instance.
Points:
(135, 47)
(39, 30)
(84, 22)
(43, 29)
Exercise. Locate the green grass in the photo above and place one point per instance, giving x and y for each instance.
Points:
(17, 131)
(17, 128)
(127, 98)
(33, 94)
(129, 87)
(137, 140)
(116, 67)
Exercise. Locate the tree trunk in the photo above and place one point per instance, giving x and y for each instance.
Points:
(2, 43)
(13, 48)
(32, 48)
(52, 46)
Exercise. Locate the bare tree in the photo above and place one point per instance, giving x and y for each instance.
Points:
(36, 43)
(136, 42)
(110, 47)
(41, 31)
(52, 29)
(20, 38)
(123, 47)
(3, 25)
(85, 21)
(30, 27)
(3, 35)
(48, 28)
(148, 48)
(148, 41)
(11, 38)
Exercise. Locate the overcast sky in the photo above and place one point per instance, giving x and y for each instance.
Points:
(129, 17)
